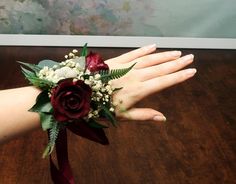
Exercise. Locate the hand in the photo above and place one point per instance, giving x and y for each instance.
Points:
(152, 72)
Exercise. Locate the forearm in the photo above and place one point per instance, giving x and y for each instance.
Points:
(15, 119)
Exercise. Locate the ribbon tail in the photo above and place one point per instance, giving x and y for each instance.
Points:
(84, 130)
(56, 175)
(63, 175)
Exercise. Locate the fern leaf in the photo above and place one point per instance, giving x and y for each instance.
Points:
(114, 74)
(53, 134)
(46, 120)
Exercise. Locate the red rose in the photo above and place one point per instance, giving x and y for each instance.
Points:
(94, 62)
(71, 100)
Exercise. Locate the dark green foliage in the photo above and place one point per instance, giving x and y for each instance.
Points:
(42, 104)
(84, 51)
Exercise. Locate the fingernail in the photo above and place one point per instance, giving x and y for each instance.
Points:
(188, 57)
(191, 71)
(159, 118)
(176, 53)
(150, 47)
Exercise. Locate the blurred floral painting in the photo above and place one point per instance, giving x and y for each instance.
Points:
(166, 18)
(88, 17)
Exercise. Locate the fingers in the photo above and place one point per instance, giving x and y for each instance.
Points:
(142, 114)
(155, 59)
(164, 68)
(157, 84)
(132, 55)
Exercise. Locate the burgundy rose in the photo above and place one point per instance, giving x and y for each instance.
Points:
(94, 62)
(71, 100)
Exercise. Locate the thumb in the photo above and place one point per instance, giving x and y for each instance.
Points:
(142, 114)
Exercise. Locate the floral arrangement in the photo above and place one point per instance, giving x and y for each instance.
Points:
(76, 94)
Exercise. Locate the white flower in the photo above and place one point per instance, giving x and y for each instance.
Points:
(66, 72)
(97, 86)
(110, 92)
(103, 89)
(95, 112)
(45, 72)
(112, 109)
(108, 88)
(62, 63)
(71, 55)
(75, 79)
(88, 82)
(91, 78)
(99, 94)
(97, 76)
(74, 51)
(90, 115)
(70, 63)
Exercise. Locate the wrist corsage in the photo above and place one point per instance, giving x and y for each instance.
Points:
(76, 94)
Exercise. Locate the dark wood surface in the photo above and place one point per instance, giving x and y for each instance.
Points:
(196, 145)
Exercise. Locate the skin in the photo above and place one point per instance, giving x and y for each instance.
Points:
(152, 72)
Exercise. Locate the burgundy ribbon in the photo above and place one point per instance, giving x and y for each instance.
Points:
(63, 174)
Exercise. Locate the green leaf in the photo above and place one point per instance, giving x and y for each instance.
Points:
(84, 51)
(42, 103)
(107, 75)
(33, 67)
(108, 115)
(32, 75)
(46, 120)
(53, 134)
(27, 73)
(34, 80)
(41, 83)
(47, 62)
(92, 123)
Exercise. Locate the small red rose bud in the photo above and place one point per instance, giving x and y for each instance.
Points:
(94, 62)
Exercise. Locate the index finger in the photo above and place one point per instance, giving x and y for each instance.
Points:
(134, 54)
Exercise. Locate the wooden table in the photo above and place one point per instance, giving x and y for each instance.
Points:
(196, 145)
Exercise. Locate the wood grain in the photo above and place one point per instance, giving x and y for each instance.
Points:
(197, 144)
